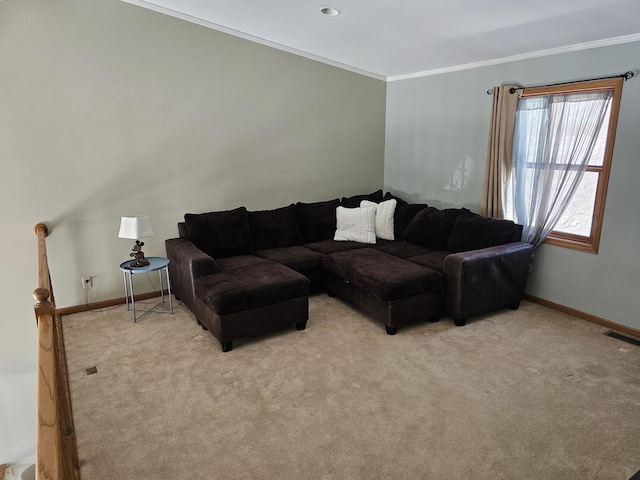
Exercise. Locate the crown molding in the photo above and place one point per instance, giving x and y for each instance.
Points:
(516, 58)
(252, 38)
(392, 78)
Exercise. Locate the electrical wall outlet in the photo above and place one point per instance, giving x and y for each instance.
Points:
(87, 282)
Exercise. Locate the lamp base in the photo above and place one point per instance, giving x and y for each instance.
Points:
(139, 262)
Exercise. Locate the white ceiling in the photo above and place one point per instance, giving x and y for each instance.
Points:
(395, 39)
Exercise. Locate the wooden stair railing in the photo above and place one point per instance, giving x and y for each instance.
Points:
(56, 449)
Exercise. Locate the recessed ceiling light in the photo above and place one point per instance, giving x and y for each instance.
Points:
(332, 12)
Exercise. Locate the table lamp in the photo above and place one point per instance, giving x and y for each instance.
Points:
(135, 228)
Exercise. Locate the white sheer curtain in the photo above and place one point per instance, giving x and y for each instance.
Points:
(553, 142)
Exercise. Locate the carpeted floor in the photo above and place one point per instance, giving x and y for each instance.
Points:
(527, 394)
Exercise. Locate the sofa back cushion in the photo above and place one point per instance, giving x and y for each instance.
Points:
(317, 221)
(472, 231)
(390, 196)
(182, 230)
(431, 227)
(275, 228)
(354, 202)
(220, 234)
(403, 216)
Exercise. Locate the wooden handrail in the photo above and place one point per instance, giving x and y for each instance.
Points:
(56, 449)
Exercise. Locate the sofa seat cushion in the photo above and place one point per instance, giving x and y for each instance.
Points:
(433, 260)
(301, 259)
(275, 228)
(403, 249)
(327, 247)
(382, 275)
(239, 261)
(250, 287)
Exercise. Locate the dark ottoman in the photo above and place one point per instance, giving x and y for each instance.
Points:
(390, 289)
(250, 301)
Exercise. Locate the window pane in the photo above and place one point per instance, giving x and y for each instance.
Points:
(578, 216)
(555, 153)
(597, 156)
(570, 116)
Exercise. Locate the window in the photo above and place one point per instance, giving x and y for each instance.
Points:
(555, 119)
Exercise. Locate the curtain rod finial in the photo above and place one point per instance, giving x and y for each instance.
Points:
(630, 74)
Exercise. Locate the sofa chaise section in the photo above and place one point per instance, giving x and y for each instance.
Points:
(250, 301)
(390, 289)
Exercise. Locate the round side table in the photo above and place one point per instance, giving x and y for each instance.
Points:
(156, 264)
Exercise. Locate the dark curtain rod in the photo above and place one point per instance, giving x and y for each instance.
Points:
(627, 76)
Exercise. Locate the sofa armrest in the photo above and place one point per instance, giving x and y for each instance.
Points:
(188, 262)
(479, 281)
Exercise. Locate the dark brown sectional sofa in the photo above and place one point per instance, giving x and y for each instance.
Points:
(245, 273)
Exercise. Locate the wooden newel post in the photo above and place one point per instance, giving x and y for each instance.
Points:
(56, 449)
(43, 306)
(48, 437)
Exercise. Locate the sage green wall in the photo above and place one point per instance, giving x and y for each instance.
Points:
(436, 141)
(107, 109)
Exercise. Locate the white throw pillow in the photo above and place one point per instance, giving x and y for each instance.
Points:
(384, 217)
(356, 224)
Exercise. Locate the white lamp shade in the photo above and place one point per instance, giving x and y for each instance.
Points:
(135, 227)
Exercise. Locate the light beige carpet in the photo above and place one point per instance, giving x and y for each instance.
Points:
(530, 394)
